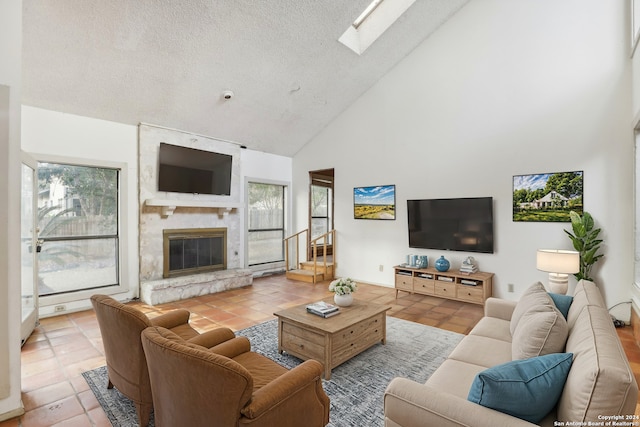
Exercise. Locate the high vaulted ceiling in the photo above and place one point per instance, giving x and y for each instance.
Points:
(168, 62)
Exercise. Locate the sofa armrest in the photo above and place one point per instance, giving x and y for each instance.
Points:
(499, 308)
(171, 319)
(213, 338)
(233, 347)
(297, 393)
(411, 404)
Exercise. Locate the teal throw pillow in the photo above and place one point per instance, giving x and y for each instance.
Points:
(562, 302)
(528, 389)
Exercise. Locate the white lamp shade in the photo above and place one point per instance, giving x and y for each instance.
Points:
(558, 261)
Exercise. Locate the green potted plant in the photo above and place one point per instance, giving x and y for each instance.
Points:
(585, 241)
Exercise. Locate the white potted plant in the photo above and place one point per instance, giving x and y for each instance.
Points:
(343, 288)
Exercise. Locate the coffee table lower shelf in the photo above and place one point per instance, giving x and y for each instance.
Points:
(334, 340)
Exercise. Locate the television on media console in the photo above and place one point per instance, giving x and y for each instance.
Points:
(463, 224)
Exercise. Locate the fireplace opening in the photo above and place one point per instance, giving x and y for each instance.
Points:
(194, 250)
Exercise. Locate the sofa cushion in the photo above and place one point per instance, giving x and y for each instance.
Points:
(534, 296)
(562, 302)
(492, 327)
(482, 351)
(527, 389)
(454, 377)
(601, 380)
(537, 326)
(586, 293)
(539, 333)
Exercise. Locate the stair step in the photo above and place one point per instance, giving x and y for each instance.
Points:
(319, 263)
(304, 275)
(308, 265)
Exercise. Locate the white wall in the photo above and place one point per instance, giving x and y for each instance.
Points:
(270, 167)
(504, 88)
(10, 80)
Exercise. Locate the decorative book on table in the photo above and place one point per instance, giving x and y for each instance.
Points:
(323, 309)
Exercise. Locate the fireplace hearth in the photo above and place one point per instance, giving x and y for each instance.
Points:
(190, 251)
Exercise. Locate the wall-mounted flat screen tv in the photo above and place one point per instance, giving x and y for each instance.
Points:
(464, 224)
(189, 170)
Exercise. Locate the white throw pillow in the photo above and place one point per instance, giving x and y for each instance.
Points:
(535, 295)
(537, 326)
(539, 333)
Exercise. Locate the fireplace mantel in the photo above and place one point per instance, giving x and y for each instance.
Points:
(169, 206)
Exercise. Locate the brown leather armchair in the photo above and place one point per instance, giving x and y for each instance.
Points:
(121, 326)
(229, 385)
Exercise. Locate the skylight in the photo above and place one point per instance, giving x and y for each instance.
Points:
(372, 23)
(360, 19)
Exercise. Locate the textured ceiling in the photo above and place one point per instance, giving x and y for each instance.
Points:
(167, 62)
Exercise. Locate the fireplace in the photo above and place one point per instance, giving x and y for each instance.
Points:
(194, 250)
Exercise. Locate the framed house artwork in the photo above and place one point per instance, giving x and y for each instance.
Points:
(547, 197)
(378, 202)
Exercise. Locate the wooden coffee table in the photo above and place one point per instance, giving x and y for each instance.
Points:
(334, 340)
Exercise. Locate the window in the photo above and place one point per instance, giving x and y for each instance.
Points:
(365, 14)
(78, 228)
(372, 23)
(320, 210)
(321, 203)
(266, 221)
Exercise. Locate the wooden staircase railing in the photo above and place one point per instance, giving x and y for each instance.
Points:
(309, 270)
(287, 243)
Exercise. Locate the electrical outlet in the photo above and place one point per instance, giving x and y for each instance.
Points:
(510, 287)
(59, 308)
(381, 268)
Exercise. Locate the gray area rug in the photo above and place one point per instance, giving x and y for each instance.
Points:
(356, 387)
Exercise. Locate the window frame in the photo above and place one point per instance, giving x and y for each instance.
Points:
(122, 231)
(327, 214)
(273, 265)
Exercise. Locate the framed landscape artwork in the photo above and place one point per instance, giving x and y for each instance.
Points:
(547, 197)
(377, 202)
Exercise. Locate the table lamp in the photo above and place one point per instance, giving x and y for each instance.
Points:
(559, 264)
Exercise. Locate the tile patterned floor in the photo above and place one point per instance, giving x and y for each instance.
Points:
(55, 394)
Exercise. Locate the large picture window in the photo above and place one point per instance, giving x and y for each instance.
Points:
(266, 223)
(78, 228)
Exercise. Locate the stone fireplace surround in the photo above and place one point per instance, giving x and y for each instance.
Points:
(162, 210)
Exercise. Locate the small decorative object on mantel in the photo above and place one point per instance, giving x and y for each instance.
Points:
(343, 289)
(442, 264)
(469, 266)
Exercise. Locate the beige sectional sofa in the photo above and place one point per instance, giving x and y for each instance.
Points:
(599, 386)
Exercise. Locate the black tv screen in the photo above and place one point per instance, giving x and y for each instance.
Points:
(189, 170)
(464, 224)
